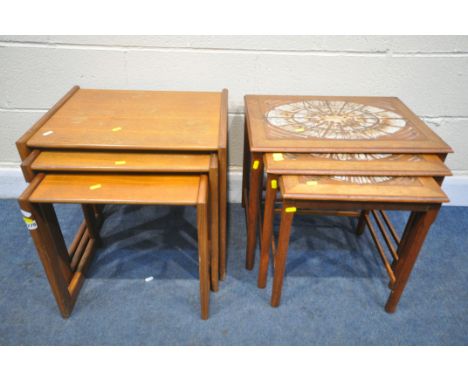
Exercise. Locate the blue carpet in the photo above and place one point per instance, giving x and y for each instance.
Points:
(334, 293)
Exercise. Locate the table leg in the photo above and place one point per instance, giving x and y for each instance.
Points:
(89, 213)
(413, 238)
(245, 166)
(362, 222)
(203, 250)
(255, 193)
(222, 174)
(53, 263)
(214, 222)
(267, 231)
(287, 215)
(55, 233)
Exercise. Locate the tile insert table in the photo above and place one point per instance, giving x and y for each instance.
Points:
(327, 125)
(420, 195)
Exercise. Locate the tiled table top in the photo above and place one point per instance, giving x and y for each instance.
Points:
(337, 124)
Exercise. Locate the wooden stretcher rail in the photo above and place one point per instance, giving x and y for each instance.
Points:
(390, 227)
(78, 276)
(77, 239)
(381, 226)
(76, 256)
(380, 249)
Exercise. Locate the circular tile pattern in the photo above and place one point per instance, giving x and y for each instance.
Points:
(334, 120)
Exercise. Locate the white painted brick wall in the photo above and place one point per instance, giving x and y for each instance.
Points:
(429, 73)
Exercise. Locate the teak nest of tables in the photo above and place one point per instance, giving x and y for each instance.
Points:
(351, 156)
(99, 147)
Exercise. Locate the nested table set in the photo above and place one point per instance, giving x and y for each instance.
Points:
(97, 147)
(352, 156)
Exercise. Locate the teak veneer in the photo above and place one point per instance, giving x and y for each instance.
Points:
(51, 161)
(65, 268)
(133, 120)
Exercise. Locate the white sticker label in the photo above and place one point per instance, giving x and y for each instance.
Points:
(26, 213)
(30, 223)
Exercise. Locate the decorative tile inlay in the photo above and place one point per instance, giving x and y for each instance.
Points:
(333, 120)
(362, 180)
(351, 156)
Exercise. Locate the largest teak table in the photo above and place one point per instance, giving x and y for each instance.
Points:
(134, 132)
(126, 121)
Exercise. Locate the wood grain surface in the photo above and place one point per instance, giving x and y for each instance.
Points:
(355, 164)
(120, 162)
(117, 189)
(125, 119)
(378, 189)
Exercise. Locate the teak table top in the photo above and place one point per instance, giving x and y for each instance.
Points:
(337, 124)
(117, 189)
(133, 120)
(89, 161)
(362, 188)
(355, 164)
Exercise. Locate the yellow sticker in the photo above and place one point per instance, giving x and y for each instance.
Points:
(299, 130)
(255, 165)
(278, 156)
(120, 162)
(95, 186)
(118, 128)
(311, 182)
(291, 209)
(274, 184)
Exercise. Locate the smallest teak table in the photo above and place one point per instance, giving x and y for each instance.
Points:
(65, 269)
(420, 195)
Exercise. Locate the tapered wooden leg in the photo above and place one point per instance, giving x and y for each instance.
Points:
(214, 223)
(46, 249)
(267, 231)
(203, 250)
(246, 161)
(98, 208)
(222, 174)
(53, 228)
(287, 215)
(91, 222)
(255, 192)
(415, 232)
(404, 238)
(362, 222)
